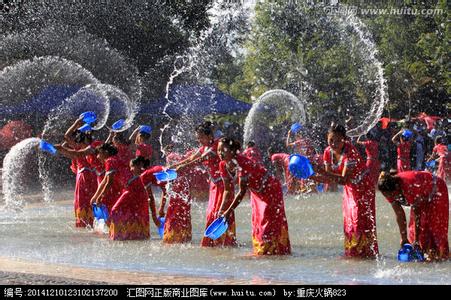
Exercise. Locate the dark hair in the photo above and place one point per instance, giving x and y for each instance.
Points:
(387, 182)
(144, 135)
(140, 160)
(82, 137)
(336, 128)
(120, 138)
(232, 144)
(205, 128)
(251, 144)
(108, 148)
(440, 140)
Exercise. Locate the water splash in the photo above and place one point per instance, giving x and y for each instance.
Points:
(270, 118)
(76, 45)
(27, 78)
(373, 70)
(13, 173)
(229, 24)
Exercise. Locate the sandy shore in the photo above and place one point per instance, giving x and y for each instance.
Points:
(19, 271)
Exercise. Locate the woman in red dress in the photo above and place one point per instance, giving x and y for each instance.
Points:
(440, 154)
(269, 222)
(122, 144)
(115, 179)
(429, 215)
(372, 157)
(281, 162)
(344, 165)
(177, 226)
(253, 153)
(141, 139)
(208, 156)
(86, 183)
(403, 150)
(129, 219)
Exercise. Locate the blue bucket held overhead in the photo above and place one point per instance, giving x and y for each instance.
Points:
(296, 127)
(89, 117)
(85, 128)
(168, 175)
(118, 124)
(217, 228)
(300, 166)
(145, 129)
(407, 134)
(47, 147)
(161, 228)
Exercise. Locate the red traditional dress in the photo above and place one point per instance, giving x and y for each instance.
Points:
(85, 188)
(215, 199)
(124, 154)
(443, 160)
(129, 219)
(95, 163)
(434, 207)
(144, 150)
(177, 226)
(283, 159)
(403, 151)
(372, 160)
(359, 205)
(115, 167)
(254, 154)
(197, 176)
(269, 222)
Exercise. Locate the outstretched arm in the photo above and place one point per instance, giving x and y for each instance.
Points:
(69, 135)
(71, 153)
(102, 188)
(395, 138)
(226, 196)
(401, 220)
(238, 198)
(197, 156)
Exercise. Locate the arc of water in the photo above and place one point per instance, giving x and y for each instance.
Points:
(272, 94)
(377, 106)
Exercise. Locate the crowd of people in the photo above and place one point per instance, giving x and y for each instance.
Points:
(119, 173)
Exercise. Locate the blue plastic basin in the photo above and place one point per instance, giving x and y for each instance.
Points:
(118, 124)
(89, 117)
(296, 127)
(47, 147)
(145, 129)
(407, 134)
(161, 228)
(100, 212)
(300, 166)
(168, 175)
(217, 228)
(85, 128)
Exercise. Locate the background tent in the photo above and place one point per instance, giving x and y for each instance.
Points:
(196, 100)
(42, 103)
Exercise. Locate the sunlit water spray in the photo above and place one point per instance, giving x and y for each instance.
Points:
(14, 173)
(270, 118)
(372, 68)
(228, 25)
(73, 44)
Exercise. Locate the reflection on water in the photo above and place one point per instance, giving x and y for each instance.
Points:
(46, 233)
